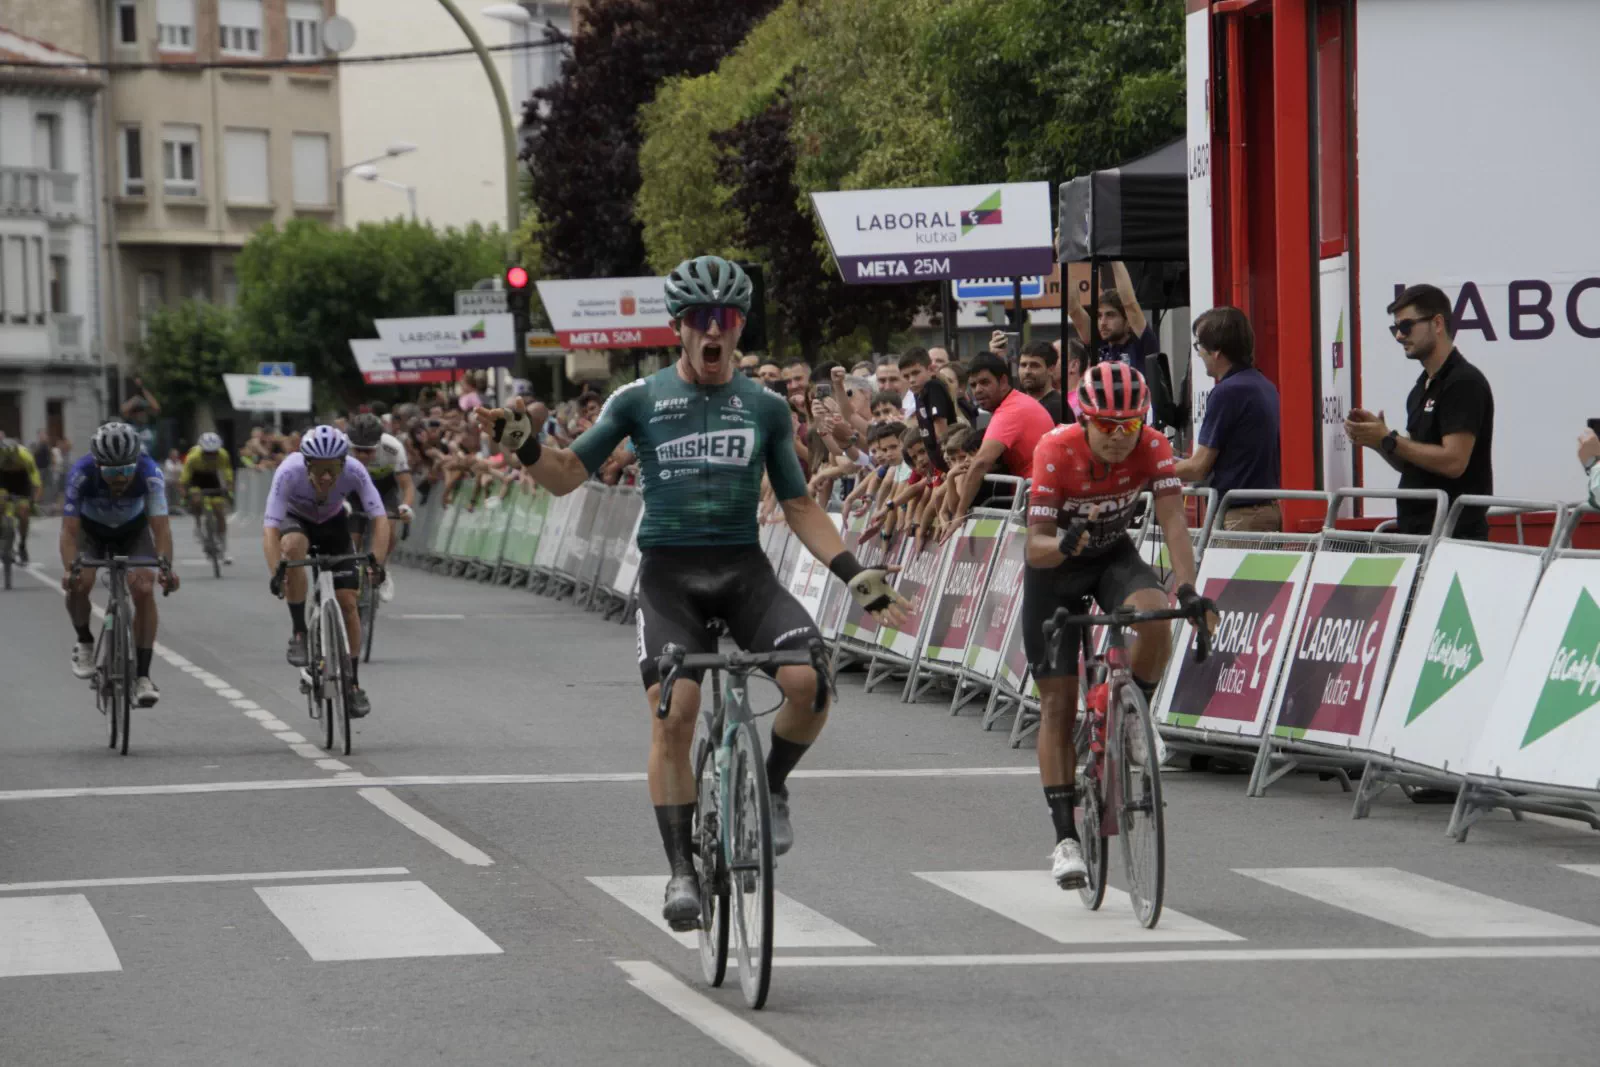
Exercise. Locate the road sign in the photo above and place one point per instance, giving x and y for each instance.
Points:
(254, 392)
(275, 370)
(481, 302)
(544, 344)
(998, 288)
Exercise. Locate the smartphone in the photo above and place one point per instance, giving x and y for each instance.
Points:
(824, 391)
(1014, 344)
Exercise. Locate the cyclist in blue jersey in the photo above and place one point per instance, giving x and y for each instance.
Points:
(704, 434)
(116, 505)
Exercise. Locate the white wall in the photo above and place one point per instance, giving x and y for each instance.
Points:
(443, 106)
(1478, 165)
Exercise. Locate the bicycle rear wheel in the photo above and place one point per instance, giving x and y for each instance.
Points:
(751, 868)
(710, 867)
(314, 687)
(1142, 821)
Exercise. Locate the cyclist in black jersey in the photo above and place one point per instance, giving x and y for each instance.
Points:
(703, 435)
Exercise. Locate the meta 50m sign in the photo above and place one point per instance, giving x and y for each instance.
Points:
(896, 236)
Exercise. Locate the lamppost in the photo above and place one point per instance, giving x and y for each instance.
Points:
(508, 129)
(368, 173)
(398, 148)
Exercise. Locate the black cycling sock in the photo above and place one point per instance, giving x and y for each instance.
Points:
(355, 679)
(84, 636)
(676, 823)
(297, 613)
(781, 759)
(1059, 797)
(141, 657)
(1148, 689)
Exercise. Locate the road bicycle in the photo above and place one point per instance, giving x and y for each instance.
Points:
(368, 598)
(8, 534)
(733, 855)
(325, 679)
(1119, 773)
(115, 667)
(209, 523)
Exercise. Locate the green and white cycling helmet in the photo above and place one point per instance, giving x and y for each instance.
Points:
(708, 280)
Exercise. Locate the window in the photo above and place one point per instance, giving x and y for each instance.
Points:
(47, 140)
(245, 159)
(58, 285)
(311, 168)
(230, 288)
(37, 296)
(127, 22)
(175, 25)
(132, 161)
(150, 285)
(15, 280)
(305, 29)
(180, 151)
(239, 25)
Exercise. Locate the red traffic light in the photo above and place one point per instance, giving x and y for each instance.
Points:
(517, 277)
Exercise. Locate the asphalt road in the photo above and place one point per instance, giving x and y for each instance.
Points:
(459, 890)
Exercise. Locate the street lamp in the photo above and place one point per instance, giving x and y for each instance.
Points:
(398, 148)
(512, 13)
(368, 173)
(508, 129)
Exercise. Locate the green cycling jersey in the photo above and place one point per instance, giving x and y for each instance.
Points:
(701, 453)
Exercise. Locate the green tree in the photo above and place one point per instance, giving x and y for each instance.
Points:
(188, 348)
(306, 290)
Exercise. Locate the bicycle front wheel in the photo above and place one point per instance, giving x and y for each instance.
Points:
(710, 867)
(121, 714)
(336, 677)
(750, 869)
(214, 542)
(369, 615)
(1092, 838)
(1142, 821)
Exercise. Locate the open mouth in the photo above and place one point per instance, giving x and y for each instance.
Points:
(711, 355)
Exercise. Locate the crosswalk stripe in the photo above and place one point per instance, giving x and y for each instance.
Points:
(1591, 869)
(1422, 905)
(1032, 899)
(374, 921)
(58, 934)
(793, 924)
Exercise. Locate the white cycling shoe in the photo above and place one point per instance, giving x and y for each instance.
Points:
(1067, 866)
(386, 590)
(83, 660)
(145, 693)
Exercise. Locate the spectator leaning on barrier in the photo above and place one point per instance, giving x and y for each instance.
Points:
(932, 408)
(1449, 418)
(1016, 423)
(1238, 442)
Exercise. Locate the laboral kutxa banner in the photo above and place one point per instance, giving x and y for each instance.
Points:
(1002, 602)
(1463, 625)
(609, 312)
(377, 368)
(918, 576)
(966, 576)
(1543, 725)
(1257, 594)
(898, 236)
(1342, 646)
(448, 342)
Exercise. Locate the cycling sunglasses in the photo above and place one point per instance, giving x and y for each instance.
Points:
(727, 319)
(325, 466)
(125, 470)
(1116, 427)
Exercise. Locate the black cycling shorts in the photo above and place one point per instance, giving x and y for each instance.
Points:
(19, 483)
(682, 589)
(1110, 578)
(331, 538)
(205, 480)
(388, 492)
(132, 539)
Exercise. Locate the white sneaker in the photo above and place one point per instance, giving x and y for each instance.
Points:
(386, 590)
(145, 692)
(1067, 866)
(227, 558)
(83, 660)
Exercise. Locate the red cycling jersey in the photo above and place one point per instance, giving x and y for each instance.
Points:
(1071, 485)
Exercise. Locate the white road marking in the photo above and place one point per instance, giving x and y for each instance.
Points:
(730, 1031)
(333, 765)
(229, 694)
(53, 935)
(374, 921)
(1421, 905)
(418, 780)
(1591, 869)
(424, 827)
(306, 750)
(201, 879)
(1032, 899)
(1211, 955)
(290, 737)
(433, 616)
(793, 924)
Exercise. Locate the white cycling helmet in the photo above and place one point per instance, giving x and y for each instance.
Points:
(210, 442)
(115, 444)
(325, 442)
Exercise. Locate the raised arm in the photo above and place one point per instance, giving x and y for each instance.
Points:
(1130, 299)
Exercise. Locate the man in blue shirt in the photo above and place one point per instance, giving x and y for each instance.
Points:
(1238, 443)
(116, 505)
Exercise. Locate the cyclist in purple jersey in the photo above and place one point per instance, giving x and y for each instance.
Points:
(305, 512)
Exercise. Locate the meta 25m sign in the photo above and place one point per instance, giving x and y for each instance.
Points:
(899, 236)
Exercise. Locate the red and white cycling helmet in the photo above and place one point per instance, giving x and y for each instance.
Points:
(1113, 390)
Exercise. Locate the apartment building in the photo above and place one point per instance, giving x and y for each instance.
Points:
(51, 341)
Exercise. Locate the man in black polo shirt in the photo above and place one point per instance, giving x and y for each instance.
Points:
(1449, 418)
(1238, 442)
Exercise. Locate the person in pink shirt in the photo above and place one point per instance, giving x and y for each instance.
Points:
(1016, 423)
(469, 400)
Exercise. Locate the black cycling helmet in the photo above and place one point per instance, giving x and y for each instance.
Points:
(366, 431)
(705, 281)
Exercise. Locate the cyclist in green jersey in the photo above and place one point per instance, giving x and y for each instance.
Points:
(703, 435)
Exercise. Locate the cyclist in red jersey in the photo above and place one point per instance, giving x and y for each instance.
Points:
(1087, 479)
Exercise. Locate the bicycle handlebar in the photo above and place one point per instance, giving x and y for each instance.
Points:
(1124, 617)
(80, 563)
(675, 659)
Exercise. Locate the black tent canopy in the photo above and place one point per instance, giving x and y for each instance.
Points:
(1137, 211)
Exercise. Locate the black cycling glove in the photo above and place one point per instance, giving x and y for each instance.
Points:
(1196, 606)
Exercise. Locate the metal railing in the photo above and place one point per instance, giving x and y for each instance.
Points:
(36, 191)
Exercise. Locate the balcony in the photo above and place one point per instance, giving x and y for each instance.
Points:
(68, 332)
(38, 193)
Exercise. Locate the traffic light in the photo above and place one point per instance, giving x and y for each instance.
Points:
(517, 291)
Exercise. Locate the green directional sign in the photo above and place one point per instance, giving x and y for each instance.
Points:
(1453, 652)
(1572, 685)
(258, 386)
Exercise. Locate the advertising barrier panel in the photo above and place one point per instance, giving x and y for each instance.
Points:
(966, 576)
(555, 531)
(628, 572)
(1001, 602)
(858, 624)
(575, 547)
(1343, 643)
(917, 580)
(1543, 726)
(620, 525)
(835, 598)
(1257, 593)
(1454, 655)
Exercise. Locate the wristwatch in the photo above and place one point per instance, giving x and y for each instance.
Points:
(1390, 442)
